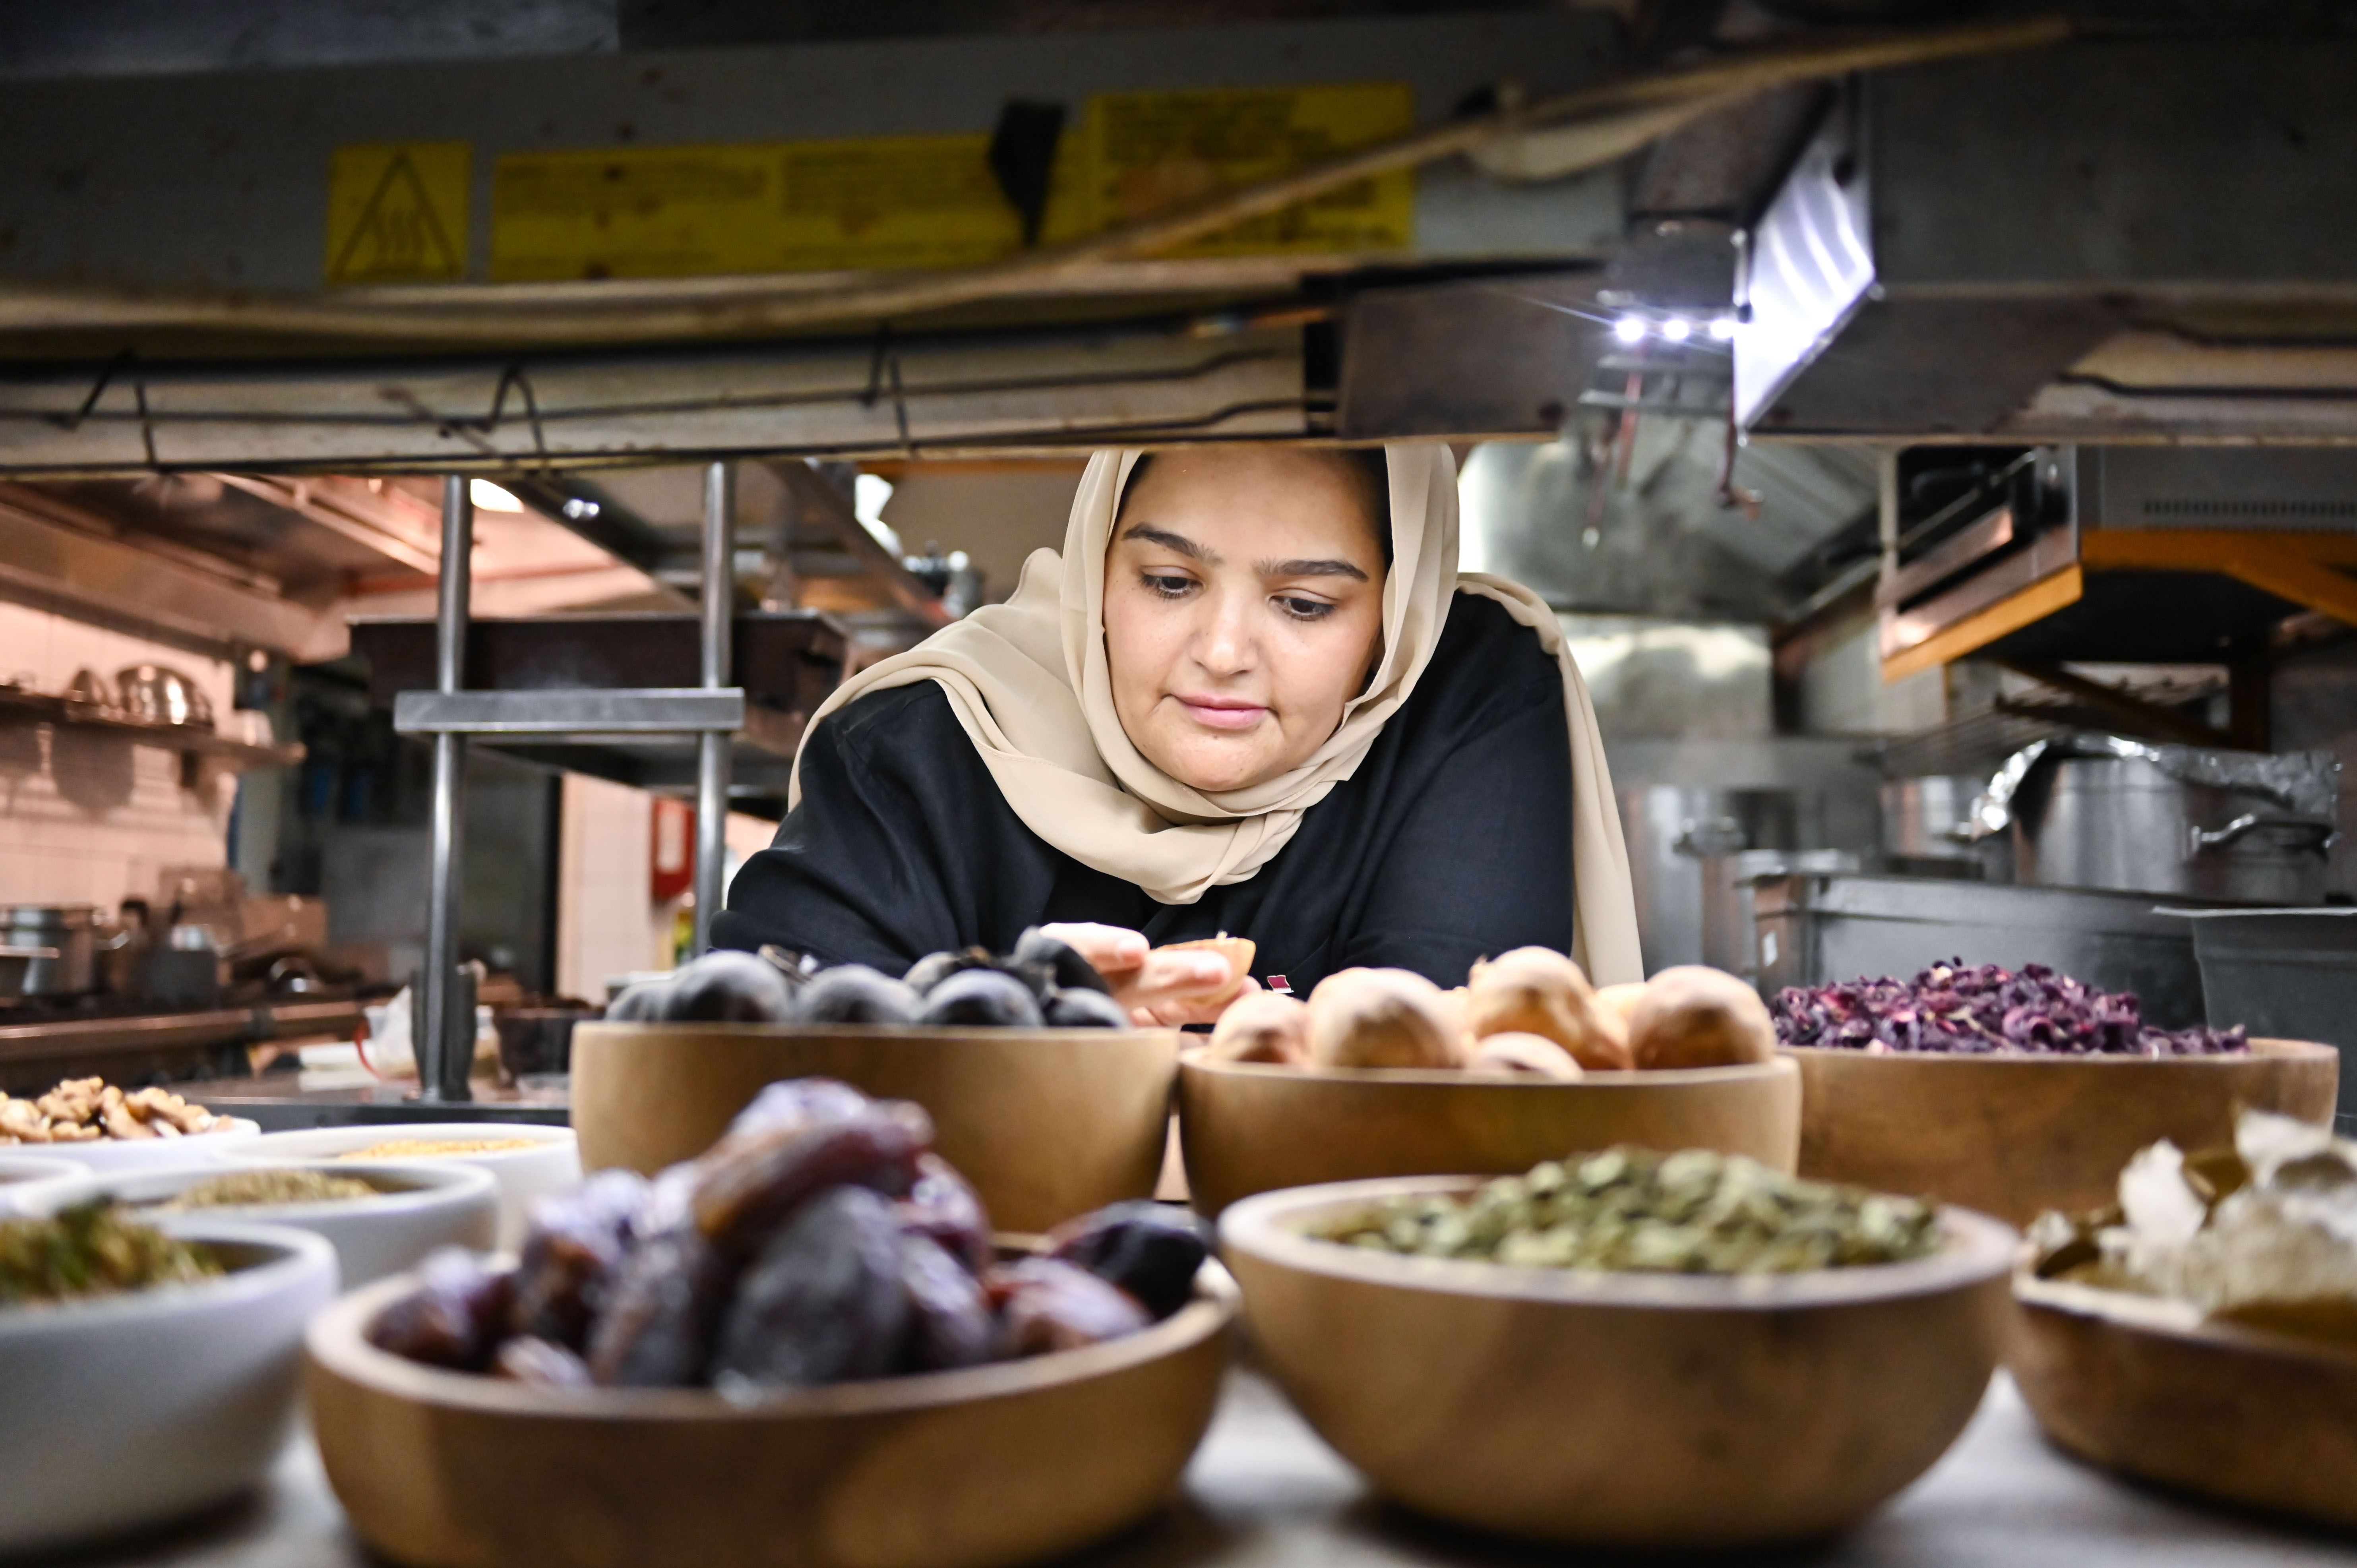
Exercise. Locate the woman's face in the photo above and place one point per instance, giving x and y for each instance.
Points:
(1243, 599)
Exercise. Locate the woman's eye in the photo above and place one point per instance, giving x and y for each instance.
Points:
(1169, 587)
(1304, 609)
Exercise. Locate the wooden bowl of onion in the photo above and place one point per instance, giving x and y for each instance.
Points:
(1381, 1073)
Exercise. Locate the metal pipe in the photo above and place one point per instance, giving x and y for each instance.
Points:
(712, 746)
(446, 1050)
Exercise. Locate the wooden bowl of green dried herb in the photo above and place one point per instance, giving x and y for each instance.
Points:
(1625, 1349)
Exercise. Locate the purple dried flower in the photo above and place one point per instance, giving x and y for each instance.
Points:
(1979, 1008)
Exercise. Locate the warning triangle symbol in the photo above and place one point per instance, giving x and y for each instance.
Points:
(399, 235)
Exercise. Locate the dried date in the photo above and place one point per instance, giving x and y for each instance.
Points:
(746, 1190)
(574, 1245)
(530, 1359)
(943, 1209)
(1149, 1250)
(455, 1317)
(656, 1328)
(796, 1102)
(950, 1320)
(727, 987)
(1045, 1304)
(823, 1302)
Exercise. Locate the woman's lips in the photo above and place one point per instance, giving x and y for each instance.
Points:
(1221, 713)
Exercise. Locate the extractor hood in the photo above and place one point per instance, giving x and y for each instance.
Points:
(2123, 241)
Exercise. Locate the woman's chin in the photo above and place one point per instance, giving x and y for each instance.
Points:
(1215, 769)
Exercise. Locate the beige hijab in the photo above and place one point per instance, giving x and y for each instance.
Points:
(1027, 680)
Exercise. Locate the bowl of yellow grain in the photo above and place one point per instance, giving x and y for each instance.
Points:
(527, 1159)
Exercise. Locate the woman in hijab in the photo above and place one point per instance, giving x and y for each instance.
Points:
(1251, 696)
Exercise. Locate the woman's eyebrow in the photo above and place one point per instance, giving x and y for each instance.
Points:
(1309, 569)
(1178, 542)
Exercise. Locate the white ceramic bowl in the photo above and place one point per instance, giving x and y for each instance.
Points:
(524, 1176)
(108, 1155)
(31, 1185)
(419, 1207)
(136, 1409)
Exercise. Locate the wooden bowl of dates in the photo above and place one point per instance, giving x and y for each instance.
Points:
(992, 1464)
(1645, 1410)
(1249, 1127)
(1045, 1123)
(2144, 1387)
(2015, 1135)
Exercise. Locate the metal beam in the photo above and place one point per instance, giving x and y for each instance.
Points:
(825, 505)
(586, 509)
(875, 395)
(682, 711)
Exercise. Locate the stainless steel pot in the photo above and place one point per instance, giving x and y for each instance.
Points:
(159, 695)
(15, 963)
(1930, 818)
(70, 929)
(2131, 823)
(1928, 830)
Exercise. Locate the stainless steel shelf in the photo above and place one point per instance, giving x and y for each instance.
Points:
(682, 711)
(539, 691)
(22, 706)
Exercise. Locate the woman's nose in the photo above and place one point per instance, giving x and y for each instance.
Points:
(1223, 645)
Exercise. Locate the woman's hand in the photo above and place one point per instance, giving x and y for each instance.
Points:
(1160, 988)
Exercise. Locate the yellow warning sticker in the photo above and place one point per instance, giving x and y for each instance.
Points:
(887, 201)
(892, 202)
(397, 212)
(1149, 151)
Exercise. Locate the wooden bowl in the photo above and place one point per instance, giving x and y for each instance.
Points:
(1045, 1123)
(2146, 1388)
(1249, 1127)
(2014, 1136)
(1647, 1410)
(969, 1469)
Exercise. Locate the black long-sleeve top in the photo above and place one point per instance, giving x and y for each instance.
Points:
(1451, 842)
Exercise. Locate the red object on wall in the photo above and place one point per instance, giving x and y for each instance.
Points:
(672, 869)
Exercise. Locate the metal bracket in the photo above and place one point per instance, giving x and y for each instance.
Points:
(653, 709)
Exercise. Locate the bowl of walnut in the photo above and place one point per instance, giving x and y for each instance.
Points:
(104, 1128)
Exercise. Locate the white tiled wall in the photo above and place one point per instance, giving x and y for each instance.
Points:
(90, 818)
(608, 923)
(604, 915)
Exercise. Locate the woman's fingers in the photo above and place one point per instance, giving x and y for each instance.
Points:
(1183, 972)
(1162, 987)
(1111, 950)
(1177, 1010)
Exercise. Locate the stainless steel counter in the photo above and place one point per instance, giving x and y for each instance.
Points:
(39, 1045)
(1263, 1490)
